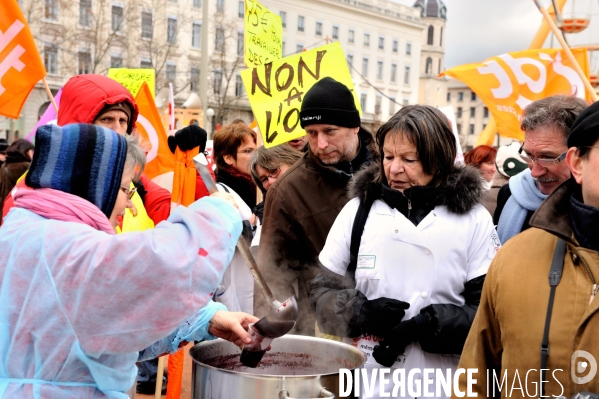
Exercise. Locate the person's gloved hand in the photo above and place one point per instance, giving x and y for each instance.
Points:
(378, 316)
(187, 138)
(395, 343)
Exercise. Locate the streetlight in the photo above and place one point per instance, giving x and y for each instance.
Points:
(209, 114)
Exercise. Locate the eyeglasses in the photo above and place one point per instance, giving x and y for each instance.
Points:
(272, 175)
(545, 162)
(129, 192)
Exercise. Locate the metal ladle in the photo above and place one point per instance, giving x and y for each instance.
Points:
(282, 316)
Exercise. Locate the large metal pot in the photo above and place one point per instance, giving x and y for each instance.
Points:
(296, 367)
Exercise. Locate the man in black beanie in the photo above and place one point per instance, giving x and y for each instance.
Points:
(522, 323)
(302, 204)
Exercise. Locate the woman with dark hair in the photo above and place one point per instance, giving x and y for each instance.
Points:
(18, 158)
(482, 157)
(421, 250)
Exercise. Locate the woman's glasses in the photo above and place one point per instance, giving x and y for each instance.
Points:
(129, 192)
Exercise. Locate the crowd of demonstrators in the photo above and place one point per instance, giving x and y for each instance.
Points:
(18, 158)
(77, 314)
(514, 322)
(302, 204)
(412, 202)
(546, 124)
(482, 157)
(266, 166)
(508, 163)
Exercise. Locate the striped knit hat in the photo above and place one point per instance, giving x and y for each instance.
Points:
(79, 159)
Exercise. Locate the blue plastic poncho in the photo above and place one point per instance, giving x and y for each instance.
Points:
(77, 305)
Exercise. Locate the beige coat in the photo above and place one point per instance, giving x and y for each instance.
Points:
(508, 329)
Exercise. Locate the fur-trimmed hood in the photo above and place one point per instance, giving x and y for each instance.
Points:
(462, 190)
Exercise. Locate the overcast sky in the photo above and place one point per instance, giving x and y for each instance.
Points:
(479, 29)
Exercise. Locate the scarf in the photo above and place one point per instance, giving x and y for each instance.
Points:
(58, 205)
(239, 182)
(526, 196)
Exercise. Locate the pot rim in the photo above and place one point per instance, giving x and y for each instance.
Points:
(352, 349)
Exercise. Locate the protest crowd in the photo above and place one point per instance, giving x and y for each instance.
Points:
(388, 240)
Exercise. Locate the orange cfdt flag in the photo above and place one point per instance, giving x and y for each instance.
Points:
(159, 159)
(20, 64)
(508, 83)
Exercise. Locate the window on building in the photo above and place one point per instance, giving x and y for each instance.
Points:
(406, 75)
(240, 40)
(439, 69)
(391, 105)
(363, 98)
(51, 9)
(460, 96)
(217, 82)
(335, 32)
(441, 37)
(283, 48)
(318, 28)
(486, 112)
(377, 104)
(220, 6)
(431, 34)
(116, 61)
(406, 101)
(471, 129)
(117, 19)
(350, 36)
(146, 64)
(300, 23)
(350, 62)
(241, 10)
(379, 70)
(85, 62)
(299, 48)
(367, 39)
(472, 96)
(239, 89)
(283, 16)
(146, 24)
(171, 73)
(395, 46)
(51, 59)
(196, 35)
(429, 66)
(85, 12)
(381, 42)
(219, 39)
(194, 79)
(459, 127)
(408, 48)
(459, 112)
(448, 97)
(472, 112)
(171, 30)
(365, 66)
(197, 3)
(393, 72)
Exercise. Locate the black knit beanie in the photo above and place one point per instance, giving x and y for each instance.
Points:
(329, 102)
(585, 130)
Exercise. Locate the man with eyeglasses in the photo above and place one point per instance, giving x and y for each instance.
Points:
(539, 308)
(546, 124)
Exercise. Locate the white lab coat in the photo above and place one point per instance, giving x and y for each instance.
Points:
(422, 265)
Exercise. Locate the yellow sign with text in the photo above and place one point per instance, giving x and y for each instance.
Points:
(276, 90)
(263, 35)
(133, 78)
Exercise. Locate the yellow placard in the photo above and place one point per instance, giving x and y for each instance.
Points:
(132, 78)
(263, 35)
(276, 90)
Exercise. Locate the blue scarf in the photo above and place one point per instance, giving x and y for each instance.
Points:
(526, 196)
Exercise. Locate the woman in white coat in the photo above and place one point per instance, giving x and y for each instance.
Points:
(427, 243)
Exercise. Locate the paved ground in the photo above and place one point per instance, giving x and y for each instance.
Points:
(186, 385)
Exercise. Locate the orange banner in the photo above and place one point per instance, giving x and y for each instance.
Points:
(508, 83)
(21, 66)
(159, 159)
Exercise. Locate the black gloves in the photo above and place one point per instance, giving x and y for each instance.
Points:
(187, 138)
(403, 334)
(378, 316)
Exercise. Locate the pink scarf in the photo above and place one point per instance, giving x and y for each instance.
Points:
(58, 205)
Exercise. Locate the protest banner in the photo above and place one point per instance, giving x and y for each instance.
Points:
(509, 82)
(133, 78)
(276, 90)
(263, 35)
(21, 66)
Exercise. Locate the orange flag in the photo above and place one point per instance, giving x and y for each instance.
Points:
(184, 182)
(21, 66)
(508, 83)
(160, 159)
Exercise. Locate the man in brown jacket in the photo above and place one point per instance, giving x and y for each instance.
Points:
(301, 206)
(508, 331)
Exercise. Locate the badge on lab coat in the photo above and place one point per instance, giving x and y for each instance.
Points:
(366, 262)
